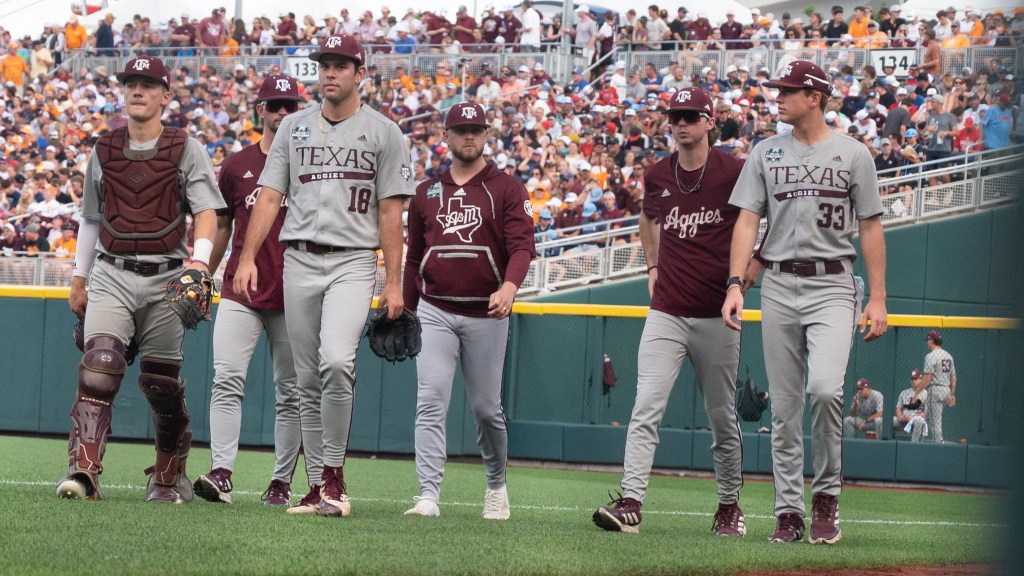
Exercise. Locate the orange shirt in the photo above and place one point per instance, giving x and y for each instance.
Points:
(13, 68)
(64, 248)
(876, 40)
(75, 35)
(859, 27)
(230, 48)
(961, 40)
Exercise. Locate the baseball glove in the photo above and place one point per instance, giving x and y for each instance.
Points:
(750, 403)
(189, 296)
(395, 340)
(78, 333)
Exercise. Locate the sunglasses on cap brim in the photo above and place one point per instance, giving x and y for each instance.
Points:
(276, 105)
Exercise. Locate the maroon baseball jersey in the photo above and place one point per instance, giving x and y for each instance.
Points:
(465, 241)
(695, 234)
(239, 177)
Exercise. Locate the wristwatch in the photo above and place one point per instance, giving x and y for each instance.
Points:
(734, 281)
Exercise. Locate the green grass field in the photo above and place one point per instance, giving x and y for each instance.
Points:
(550, 531)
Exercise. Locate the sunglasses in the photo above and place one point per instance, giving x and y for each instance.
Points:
(276, 105)
(688, 116)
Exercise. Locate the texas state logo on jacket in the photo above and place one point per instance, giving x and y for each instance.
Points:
(466, 240)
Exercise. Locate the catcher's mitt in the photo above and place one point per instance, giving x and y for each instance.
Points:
(189, 296)
(395, 340)
(78, 333)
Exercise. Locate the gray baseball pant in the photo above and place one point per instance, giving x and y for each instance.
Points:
(918, 424)
(236, 332)
(937, 397)
(326, 300)
(850, 424)
(714, 350)
(478, 344)
(807, 327)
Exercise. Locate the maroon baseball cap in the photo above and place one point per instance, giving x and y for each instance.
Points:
(148, 66)
(465, 114)
(803, 74)
(278, 87)
(692, 99)
(862, 383)
(342, 45)
(935, 335)
(915, 374)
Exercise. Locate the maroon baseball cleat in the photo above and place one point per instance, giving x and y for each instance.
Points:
(334, 495)
(825, 519)
(729, 521)
(310, 503)
(621, 515)
(214, 486)
(278, 494)
(788, 528)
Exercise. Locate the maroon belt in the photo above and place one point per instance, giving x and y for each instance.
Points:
(314, 248)
(138, 267)
(807, 268)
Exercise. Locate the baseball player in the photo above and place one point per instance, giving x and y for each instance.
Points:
(811, 183)
(940, 380)
(346, 172)
(866, 412)
(238, 326)
(138, 181)
(912, 409)
(685, 229)
(470, 245)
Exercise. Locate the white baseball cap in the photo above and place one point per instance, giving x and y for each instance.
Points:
(583, 8)
(571, 196)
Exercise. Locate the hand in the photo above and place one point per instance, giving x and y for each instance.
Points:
(391, 298)
(751, 275)
(500, 303)
(951, 401)
(732, 309)
(652, 279)
(79, 297)
(876, 314)
(245, 278)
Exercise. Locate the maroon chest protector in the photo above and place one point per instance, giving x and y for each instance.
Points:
(142, 208)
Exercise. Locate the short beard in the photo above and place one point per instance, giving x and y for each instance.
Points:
(467, 158)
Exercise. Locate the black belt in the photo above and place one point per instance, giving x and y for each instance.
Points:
(807, 268)
(138, 267)
(314, 248)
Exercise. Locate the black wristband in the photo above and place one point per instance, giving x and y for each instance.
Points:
(733, 281)
(649, 268)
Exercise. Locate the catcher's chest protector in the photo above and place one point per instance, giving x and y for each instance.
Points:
(141, 203)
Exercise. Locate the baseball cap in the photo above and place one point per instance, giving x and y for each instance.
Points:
(886, 141)
(901, 91)
(915, 374)
(465, 114)
(911, 133)
(935, 335)
(32, 228)
(803, 74)
(937, 98)
(588, 209)
(861, 114)
(278, 87)
(148, 66)
(583, 166)
(863, 383)
(692, 98)
(571, 196)
(342, 45)
(545, 214)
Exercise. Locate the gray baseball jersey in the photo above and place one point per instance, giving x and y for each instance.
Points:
(867, 407)
(815, 192)
(939, 364)
(198, 185)
(308, 163)
(906, 399)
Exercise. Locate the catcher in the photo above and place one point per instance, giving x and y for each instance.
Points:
(470, 244)
(141, 182)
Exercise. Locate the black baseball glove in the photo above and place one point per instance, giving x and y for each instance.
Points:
(750, 403)
(78, 333)
(395, 340)
(189, 296)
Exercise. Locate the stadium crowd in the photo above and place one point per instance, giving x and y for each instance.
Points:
(579, 144)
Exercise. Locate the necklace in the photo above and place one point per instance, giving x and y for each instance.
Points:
(320, 121)
(688, 189)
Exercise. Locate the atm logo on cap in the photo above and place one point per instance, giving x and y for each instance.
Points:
(333, 42)
(683, 96)
(283, 85)
(141, 65)
(469, 112)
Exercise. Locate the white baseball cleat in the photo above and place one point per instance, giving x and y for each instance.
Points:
(496, 504)
(425, 506)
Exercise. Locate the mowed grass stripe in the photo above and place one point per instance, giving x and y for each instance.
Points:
(550, 531)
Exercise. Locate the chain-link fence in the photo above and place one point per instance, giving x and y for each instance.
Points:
(558, 375)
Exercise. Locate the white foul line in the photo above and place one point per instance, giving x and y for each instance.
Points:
(931, 523)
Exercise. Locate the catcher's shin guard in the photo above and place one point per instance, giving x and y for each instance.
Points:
(99, 379)
(166, 395)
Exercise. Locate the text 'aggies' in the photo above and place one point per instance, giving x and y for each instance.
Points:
(689, 224)
(337, 157)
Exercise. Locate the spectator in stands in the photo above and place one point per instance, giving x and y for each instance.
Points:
(212, 31)
(11, 241)
(837, 26)
(14, 67)
(874, 38)
(886, 159)
(943, 28)
(912, 409)
(997, 122)
(66, 244)
(40, 60)
(35, 243)
(866, 412)
(932, 59)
